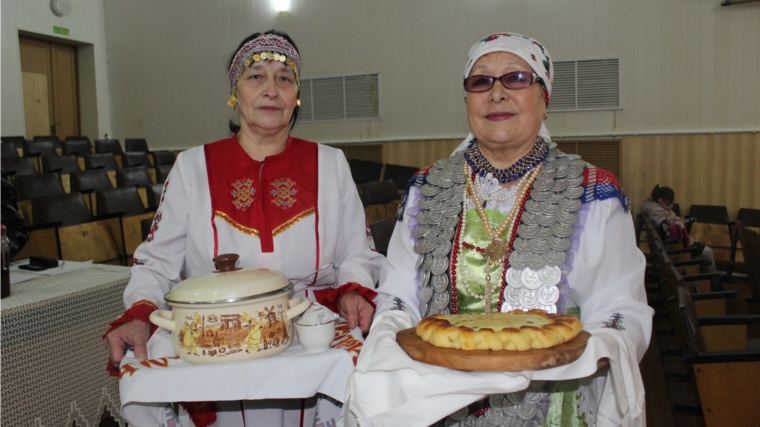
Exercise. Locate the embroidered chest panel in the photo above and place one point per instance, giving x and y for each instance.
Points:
(262, 199)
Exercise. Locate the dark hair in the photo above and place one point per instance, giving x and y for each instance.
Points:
(234, 128)
(664, 193)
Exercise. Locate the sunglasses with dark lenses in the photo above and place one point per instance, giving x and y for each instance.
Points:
(513, 80)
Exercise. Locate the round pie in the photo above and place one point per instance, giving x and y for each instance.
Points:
(516, 331)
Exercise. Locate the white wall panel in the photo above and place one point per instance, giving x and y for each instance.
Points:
(686, 65)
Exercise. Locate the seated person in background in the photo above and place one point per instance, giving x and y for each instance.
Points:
(658, 210)
(12, 220)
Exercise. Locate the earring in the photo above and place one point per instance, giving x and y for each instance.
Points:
(544, 116)
(232, 101)
(298, 102)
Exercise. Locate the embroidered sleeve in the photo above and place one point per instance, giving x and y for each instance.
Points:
(601, 185)
(398, 304)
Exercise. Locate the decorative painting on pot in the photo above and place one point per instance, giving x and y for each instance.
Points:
(227, 334)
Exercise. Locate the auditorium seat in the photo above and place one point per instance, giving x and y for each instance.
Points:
(127, 203)
(713, 228)
(78, 147)
(138, 176)
(162, 172)
(725, 366)
(381, 233)
(31, 186)
(104, 161)
(163, 158)
(7, 149)
(79, 236)
(145, 226)
(108, 146)
(52, 138)
(364, 171)
(154, 195)
(749, 218)
(133, 159)
(90, 180)
(18, 166)
(62, 164)
(400, 175)
(136, 145)
(66, 208)
(751, 250)
(39, 148)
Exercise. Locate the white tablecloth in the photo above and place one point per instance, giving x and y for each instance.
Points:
(388, 388)
(294, 373)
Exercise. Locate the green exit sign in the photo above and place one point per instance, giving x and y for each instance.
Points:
(60, 30)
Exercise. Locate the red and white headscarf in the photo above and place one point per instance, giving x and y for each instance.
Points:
(530, 50)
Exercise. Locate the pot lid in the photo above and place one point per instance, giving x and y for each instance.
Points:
(228, 284)
(317, 314)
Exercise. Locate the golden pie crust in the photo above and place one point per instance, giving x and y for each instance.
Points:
(517, 330)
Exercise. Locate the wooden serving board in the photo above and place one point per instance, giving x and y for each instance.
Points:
(492, 361)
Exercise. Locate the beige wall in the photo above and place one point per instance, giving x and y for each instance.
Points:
(687, 65)
(702, 169)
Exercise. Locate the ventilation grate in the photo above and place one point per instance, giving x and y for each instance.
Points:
(592, 84)
(354, 97)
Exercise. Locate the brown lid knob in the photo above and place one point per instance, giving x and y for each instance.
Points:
(226, 262)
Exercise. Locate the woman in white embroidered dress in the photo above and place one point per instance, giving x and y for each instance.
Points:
(558, 236)
(278, 201)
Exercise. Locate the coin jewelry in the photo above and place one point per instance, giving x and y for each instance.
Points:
(497, 250)
(482, 166)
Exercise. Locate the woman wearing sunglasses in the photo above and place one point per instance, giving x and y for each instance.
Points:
(509, 222)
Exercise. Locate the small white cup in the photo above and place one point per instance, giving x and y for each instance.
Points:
(317, 338)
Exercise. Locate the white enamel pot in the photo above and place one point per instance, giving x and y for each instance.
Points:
(230, 314)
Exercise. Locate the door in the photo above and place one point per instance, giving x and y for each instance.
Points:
(51, 89)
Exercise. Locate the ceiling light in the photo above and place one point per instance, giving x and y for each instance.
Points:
(281, 5)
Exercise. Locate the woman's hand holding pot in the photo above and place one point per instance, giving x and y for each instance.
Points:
(134, 334)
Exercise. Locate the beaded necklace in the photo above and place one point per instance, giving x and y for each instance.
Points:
(482, 166)
(496, 252)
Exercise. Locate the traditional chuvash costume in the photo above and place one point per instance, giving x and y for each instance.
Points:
(554, 241)
(294, 212)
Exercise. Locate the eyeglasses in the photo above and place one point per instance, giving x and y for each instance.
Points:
(513, 80)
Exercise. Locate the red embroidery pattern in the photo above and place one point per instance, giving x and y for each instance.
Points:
(370, 237)
(345, 341)
(166, 187)
(130, 369)
(243, 193)
(283, 194)
(154, 227)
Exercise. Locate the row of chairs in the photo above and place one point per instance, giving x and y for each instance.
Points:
(79, 234)
(710, 326)
(50, 145)
(380, 199)
(714, 228)
(365, 171)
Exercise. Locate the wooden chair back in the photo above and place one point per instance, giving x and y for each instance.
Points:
(751, 249)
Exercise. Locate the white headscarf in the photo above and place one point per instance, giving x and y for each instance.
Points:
(526, 48)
